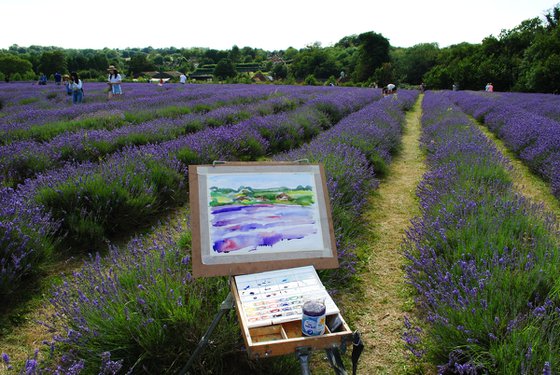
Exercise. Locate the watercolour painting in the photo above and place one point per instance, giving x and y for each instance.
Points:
(260, 213)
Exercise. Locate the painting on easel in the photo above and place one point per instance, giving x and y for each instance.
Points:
(259, 216)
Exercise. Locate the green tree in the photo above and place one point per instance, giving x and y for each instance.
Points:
(279, 71)
(139, 63)
(11, 64)
(215, 55)
(373, 51)
(225, 69)
(384, 75)
(234, 54)
(439, 78)
(98, 61)
(314, 61)
(412, 63)
(52, 62)
(290, 53)
(541, 60)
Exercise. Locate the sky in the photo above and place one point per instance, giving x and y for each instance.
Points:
(270, 25)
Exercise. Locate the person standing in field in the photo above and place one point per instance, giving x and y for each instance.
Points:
(183, 78)
(77, 88)
(67, 84)
(114, 82)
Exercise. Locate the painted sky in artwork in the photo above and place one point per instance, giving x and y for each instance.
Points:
(261, 180)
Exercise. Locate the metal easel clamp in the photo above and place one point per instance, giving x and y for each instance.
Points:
(303, 354)
(216, 162)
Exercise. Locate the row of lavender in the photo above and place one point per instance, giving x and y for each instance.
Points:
(146, 292)
(541, 104)
(47, 120)
(23, 159)
(534, 137)
(483, 260)
(89, 201)
(25, 106)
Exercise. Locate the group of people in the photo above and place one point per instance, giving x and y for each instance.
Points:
(75, 86)
(389, 89)
(489, 87)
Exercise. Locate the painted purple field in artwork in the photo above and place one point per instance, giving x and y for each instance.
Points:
(236, 227)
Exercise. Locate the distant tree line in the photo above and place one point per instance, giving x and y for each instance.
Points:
(525, 58)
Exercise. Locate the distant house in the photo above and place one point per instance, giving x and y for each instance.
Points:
(259, 77)
(277, 59)
(282, 197)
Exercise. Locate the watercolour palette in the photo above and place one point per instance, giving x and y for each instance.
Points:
(276, 297)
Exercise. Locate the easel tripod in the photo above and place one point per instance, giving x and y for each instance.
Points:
(303, 353)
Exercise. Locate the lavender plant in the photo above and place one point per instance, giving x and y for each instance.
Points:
(532, 136)
(141, 309)
(26, 240)
(349, 151)
(483, 260)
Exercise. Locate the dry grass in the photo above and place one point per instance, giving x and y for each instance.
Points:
(378, 311)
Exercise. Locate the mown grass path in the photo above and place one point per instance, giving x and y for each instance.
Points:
(378, 311)
(526, 182)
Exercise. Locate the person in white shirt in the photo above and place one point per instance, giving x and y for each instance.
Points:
(114, 81)
(183, 78)
(77, 88)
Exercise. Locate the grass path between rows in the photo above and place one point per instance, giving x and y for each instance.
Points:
(379, 310)
(525, 182)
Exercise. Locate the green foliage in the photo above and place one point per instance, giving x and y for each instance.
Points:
(98, 207)
(314, 61)
(188, 156)
(373, 51)
(11, 65)
(139, 63)
(279, 71)
(52, 62)
(412, 63)
(310, 80)
(225, 69)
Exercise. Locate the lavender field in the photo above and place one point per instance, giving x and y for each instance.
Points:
(74, 177)
(105, 182)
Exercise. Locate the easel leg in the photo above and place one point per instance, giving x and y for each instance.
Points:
(303, 356)
(357, 349)
(226, 305)
(333, 355)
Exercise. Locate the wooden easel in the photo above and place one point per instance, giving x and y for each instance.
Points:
(286, 339)
(278, 337)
